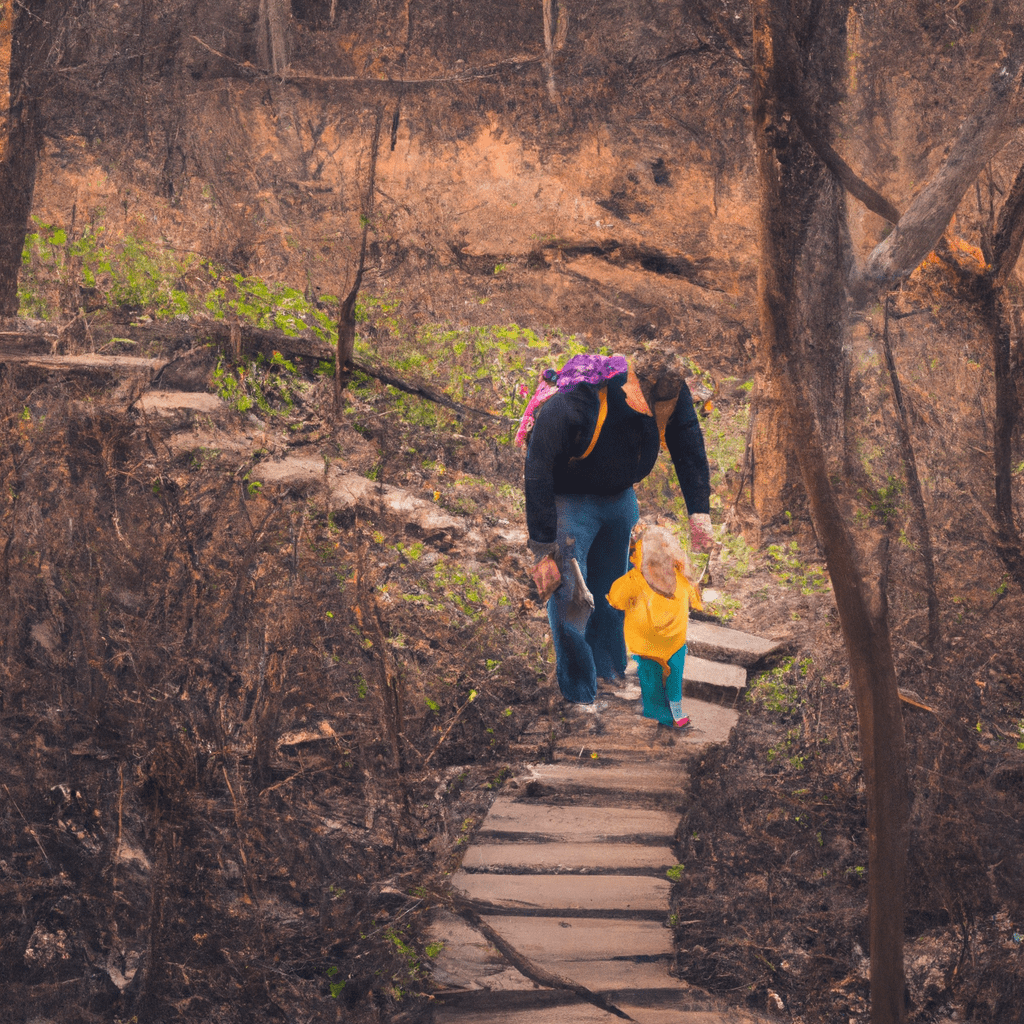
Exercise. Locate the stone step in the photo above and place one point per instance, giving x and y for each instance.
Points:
(620, 731)
(699, 672)
(167, 404)
(90, 369)
(586, 1013)
(664, 782)
(567, 858)
(508, 819)
(603, 954)
(720, 643)
(573, 895)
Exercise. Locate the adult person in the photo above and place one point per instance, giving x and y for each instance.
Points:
(598, 434)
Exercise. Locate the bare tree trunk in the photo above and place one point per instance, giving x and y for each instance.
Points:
(19, 147)
(793, 198)
(816, 237)
(1006, 246)
(6, 41)
(1007, 539)
(549, 49)
(914, 487)
(273, 34)
(347, 310)
(988, 290)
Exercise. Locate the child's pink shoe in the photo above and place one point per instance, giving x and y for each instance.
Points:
(682, 723)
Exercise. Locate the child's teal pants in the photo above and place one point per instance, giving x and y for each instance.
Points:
(662, 695)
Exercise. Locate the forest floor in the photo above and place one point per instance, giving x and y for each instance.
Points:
(246, 729)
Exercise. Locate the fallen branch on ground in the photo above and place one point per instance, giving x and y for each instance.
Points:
(466, 910)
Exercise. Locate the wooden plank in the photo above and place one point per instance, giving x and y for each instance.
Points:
(566, 858)
(649, 778)
(601, 953)
(622, 895)
(584, 1013)
(580, 824)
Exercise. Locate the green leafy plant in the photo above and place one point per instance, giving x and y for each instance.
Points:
(724, 607)
(885, 504)
(725, 438)
(735, 553)
(336, 987)
(789, 749)
(775, 690)
(785, 563)
(127, 273)
(267, 385)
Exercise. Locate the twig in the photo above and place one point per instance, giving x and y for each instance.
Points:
(451, 725)
(465, 910)
(483, 71)
(31, 831)
(424, 391)
(920, 513)
(916, 703)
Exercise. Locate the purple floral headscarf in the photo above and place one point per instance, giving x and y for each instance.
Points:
(586, 369)
(581, 369)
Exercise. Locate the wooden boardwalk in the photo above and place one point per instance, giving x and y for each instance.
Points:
(571, 867)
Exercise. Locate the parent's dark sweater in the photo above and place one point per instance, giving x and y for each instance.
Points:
(625, 453)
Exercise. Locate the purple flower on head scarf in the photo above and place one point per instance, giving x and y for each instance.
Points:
(590, 369)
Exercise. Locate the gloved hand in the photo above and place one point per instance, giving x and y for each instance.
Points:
(701, 537)
(546, 577)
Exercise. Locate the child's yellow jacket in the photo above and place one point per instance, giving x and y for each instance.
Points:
(655, 625)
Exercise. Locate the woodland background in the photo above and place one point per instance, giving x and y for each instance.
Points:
(244, 734)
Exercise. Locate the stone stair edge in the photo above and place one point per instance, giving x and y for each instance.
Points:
(700, 1007)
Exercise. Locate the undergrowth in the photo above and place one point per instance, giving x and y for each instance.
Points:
(238, 693)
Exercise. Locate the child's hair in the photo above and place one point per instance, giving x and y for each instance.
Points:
(662, 554)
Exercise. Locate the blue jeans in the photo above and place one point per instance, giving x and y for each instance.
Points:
(595, 531)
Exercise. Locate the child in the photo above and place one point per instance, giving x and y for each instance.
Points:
(656, 596)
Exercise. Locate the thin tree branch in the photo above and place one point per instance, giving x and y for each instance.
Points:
(347, 307)
(981, 136)
(1009, 233)
(914, 486)
(483, 71)
(465, 909)
(424, 391)
(856, 186)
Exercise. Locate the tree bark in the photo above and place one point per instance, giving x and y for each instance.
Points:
(19, 146)
(549, 50)
(1008, 540)
(793, 195)
(815, 235)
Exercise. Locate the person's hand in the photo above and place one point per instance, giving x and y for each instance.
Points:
(701, 537)
(546, 577)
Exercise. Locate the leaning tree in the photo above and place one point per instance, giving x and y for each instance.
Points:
(807, 279)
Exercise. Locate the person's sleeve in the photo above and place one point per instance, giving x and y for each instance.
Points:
(552, 434)
(685, 442)
(619, 593)
(695, 598)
